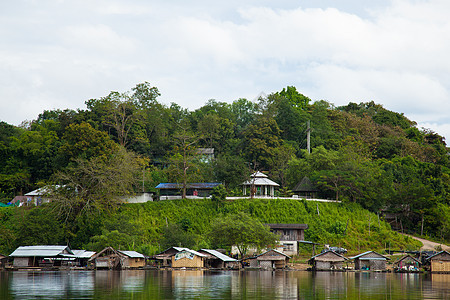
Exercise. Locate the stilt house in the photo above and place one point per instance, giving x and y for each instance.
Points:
(215, 259)
(370, 260)
(328, 260)
(407, 263)
(270, 260)
(440, 262)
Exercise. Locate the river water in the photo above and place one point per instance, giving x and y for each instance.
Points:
(158, 284)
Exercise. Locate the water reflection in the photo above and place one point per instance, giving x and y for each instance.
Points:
(155, 284)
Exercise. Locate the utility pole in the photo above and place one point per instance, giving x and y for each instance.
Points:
(308, 136)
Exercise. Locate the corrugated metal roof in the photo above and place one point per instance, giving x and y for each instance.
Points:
(442, 252)
(132, 254)
(42, 250)
(219, 255)
(360, 256)
(331, 251)
(42, 191)
(83, 253)
(198, 185)
(194, 252)
(179, 248)
(279, 252)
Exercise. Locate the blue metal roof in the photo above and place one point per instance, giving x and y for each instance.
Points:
(198, 185)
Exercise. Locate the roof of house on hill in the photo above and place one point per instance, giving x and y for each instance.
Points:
(198, 185)
(305, 185)
(287, 226)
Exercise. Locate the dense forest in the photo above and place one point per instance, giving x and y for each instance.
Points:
(361, 154)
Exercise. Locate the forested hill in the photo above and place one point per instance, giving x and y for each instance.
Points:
(125, 142)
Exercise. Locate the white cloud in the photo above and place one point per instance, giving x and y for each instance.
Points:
(58, 54)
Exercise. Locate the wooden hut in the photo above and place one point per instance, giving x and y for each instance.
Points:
(328, 260)
(215, 259)
(407, 263)
(109, 258)
(270, 260)
(188, 259)
(370, 260)
(132, 259)
(440, 262)
(164, 259)
(305, 189)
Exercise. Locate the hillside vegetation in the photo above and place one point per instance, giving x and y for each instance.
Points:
(143, 227)
(125, 142)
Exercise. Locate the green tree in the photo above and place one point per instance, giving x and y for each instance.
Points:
(182, 163)
(177, 235)
(96, 184)
(261, 138)
(242, 231)
(297, 99)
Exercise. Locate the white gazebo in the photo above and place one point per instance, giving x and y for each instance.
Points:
(263, 186)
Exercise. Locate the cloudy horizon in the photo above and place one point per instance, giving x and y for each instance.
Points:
(57, 54)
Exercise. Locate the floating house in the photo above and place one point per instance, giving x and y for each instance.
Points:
(327, 261)
(305, 189)
(109, 258)
(82, 257)
(407, 263)
(170, 191)
(259, 185)
(290, 235)
(370, 260)
(188, 259)
(132, 259)
(164, 259)
(440, 262)
(270, 260)
(42, 256)
(216, 260)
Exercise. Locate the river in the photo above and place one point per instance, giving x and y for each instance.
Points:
(159, 284)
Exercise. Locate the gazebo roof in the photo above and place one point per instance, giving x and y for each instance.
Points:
(260, 181)
(259, 174)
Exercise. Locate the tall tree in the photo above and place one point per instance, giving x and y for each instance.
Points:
(96, 184)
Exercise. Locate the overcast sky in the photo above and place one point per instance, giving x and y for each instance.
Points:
(56, 54)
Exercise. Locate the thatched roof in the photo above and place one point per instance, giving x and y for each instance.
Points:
(305, 185)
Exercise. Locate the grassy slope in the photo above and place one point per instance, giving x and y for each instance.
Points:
(326, 227)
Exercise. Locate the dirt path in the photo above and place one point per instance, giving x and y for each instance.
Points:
(429, 245)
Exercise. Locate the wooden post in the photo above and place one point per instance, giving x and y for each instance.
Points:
(421, 229)
(317, 205)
